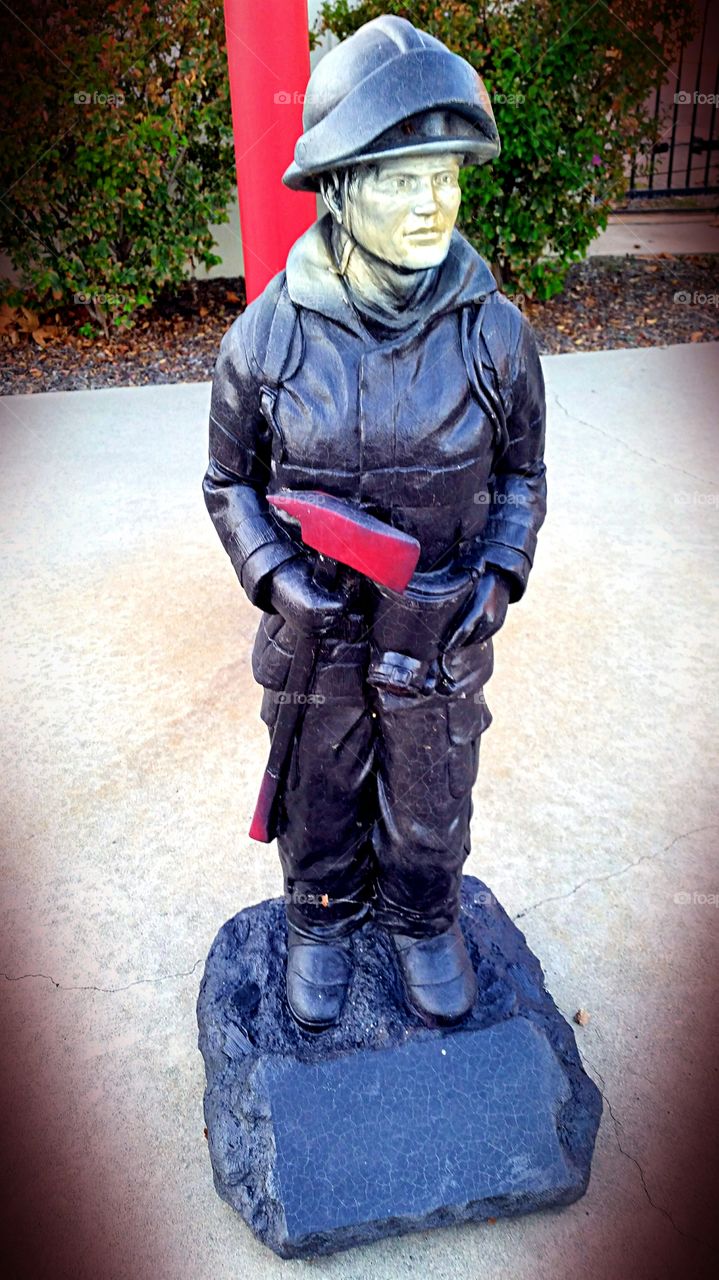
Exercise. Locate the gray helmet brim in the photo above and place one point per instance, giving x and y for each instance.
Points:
(471, 151)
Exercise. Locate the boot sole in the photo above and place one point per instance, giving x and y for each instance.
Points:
(314, 1028)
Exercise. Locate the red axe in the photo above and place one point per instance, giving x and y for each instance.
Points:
(343, 535)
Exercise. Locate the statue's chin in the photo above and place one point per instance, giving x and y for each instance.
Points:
(413, 254)
(424, 257)
(415, 257)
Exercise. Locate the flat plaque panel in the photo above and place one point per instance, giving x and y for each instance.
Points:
(407, 1130)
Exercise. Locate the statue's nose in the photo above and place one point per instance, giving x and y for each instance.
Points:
(426, 199)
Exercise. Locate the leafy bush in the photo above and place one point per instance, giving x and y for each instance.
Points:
(116, 148)
(569, 85)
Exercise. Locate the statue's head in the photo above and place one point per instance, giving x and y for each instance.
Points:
(390, 117)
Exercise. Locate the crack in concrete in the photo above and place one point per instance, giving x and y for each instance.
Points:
(647, 457)
(137, 982)
(619, 1128)
(609, 875)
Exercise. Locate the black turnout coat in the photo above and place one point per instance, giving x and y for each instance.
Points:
(438, 430)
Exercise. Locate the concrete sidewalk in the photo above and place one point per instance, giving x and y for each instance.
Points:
(130, 756)
(647, 234)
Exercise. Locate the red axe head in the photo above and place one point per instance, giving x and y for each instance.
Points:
(342, 532)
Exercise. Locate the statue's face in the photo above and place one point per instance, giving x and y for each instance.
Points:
(404, 209)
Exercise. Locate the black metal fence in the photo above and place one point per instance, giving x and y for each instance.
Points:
(685, 159)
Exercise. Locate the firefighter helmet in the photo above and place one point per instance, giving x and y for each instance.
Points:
(390, 88)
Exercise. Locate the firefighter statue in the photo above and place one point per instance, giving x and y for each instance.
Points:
(376, 477)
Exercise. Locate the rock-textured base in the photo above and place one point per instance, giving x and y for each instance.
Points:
(381, 1125)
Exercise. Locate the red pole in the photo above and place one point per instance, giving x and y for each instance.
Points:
(269, 65)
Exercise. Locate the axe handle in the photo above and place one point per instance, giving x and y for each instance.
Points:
(289, 719)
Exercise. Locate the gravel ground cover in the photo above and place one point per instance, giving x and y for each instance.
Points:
(606, 303)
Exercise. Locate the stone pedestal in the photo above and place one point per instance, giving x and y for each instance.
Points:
(380, 1125)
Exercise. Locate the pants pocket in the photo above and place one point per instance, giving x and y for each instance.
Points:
(467, 718)
(272, 653)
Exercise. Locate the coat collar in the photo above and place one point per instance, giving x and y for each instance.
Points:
(313, 281)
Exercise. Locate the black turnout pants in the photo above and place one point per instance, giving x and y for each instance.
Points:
(376, 813)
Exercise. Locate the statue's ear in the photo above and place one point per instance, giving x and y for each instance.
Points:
(330, 191)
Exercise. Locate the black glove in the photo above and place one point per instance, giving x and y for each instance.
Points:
(302, 602)
(482, 615)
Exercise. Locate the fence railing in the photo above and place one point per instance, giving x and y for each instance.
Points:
(685, 159)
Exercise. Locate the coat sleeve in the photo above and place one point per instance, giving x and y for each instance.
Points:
(519, 491)
(239, 467)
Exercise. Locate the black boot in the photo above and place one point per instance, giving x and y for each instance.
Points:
(318, 976)
(439, 980)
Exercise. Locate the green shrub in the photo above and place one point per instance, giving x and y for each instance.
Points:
(116, 148)
(569, 84)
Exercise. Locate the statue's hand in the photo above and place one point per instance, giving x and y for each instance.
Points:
(302, 602)
(482, 615)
